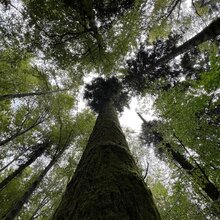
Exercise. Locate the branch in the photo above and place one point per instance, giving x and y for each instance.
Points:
(175, 3)
(208, 33)
(146, 172)
(72, 35)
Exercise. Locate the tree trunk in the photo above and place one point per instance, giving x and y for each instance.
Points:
(21, 95)
(12, 161)
(14, 211)
(37, 153)
(107, 184)
(208, 33)
(197, 173)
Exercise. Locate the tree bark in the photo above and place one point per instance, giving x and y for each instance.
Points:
(37, 153)
(208, 33)
(14, 211)
(197, 173)
(107, 184)
(21, 95)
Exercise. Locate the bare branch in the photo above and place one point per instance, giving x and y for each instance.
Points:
(172, 7)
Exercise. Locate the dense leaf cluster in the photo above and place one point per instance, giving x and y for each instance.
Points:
(144, 70)
(104, 10)
(69, 39)
(149, 132)
(101, 91)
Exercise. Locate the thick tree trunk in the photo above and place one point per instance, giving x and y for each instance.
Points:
(14, 211)
(197, 173)
(107, 184)
(37, 153)
(21, 95)
(210, 32)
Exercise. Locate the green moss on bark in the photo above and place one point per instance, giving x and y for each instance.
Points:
(107, 184)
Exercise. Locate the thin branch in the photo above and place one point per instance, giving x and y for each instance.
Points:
(174, 3)
(146, 172)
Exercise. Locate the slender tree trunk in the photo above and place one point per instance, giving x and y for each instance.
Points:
(107, 184)
(197, 173)
(208, 33)
(19, 133)
(42, 203)
(37, 153)
(12, 161)
(21, 95)
(14, 211)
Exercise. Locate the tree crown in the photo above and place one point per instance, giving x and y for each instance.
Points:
(101, 91)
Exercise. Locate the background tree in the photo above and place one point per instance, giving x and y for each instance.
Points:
(57, 46)
(151, 135)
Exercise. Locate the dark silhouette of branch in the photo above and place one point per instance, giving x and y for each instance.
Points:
(146, 172)
(208, 33)
(21, 95)
(172, 7)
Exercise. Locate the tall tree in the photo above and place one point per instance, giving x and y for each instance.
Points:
(38, 151)
(107, 183)
(151, 135)
(152, 61)
(13, 212)
(21, 95)
(75, 37)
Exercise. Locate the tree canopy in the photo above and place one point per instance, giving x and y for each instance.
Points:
(167, 50)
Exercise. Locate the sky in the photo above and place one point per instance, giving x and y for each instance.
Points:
(128, 118)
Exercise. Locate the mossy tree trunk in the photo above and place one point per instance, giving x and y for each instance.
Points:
(107, 184)
(196, 172)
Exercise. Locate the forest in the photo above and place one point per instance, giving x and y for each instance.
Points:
(70, 70)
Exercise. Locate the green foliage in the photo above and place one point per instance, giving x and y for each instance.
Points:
(175, 203)
(161, 30)
(47, 45)
(201, 10)
(14, 190)
(210, 80)
(159, 4)
(17, 75)
(190, 114)
(72, 35)
(101, 91)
